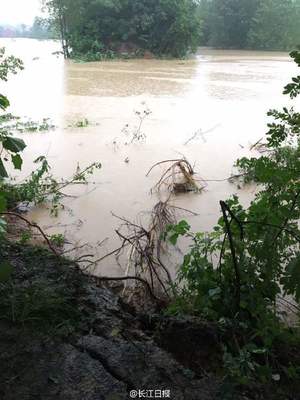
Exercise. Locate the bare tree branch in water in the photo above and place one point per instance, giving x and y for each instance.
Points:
(142, 248)
(179, 177)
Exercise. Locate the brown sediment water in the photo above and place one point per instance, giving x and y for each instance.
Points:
(223, 96)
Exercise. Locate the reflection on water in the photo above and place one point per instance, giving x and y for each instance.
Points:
(223, 93)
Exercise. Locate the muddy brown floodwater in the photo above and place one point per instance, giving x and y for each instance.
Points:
(223, 94)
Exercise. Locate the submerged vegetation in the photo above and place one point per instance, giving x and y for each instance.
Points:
(14, 123)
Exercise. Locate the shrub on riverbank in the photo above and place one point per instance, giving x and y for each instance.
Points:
(245, 273)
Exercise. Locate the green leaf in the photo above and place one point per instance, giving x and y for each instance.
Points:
(173, 239)
(4, 102)
(13, 144)
(6, 270)
(3, 172)
(17, 161)
(39, 159)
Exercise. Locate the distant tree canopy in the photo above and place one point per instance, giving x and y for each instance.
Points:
(276, 25)
(164, 27)
(40, 29)
(255, 24)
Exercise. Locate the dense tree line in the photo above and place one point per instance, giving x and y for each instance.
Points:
(254, 24)
(97, 29)
(101, 27)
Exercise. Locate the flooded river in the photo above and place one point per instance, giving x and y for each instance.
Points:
(222, 95)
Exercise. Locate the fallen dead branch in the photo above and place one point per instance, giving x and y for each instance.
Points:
(179, 177)
(142, 257)
(142, 248)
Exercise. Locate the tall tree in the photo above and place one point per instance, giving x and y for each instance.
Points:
(58, 11)
(262, 24)
(276, 25)
(230, 21)
(165, 27)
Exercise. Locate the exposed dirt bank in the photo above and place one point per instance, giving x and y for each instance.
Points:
(62, 337)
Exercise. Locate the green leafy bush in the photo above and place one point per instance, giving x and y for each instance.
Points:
(240, 273)
(10, 146)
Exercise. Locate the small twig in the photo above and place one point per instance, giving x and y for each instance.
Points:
(84, 256)
(107, 255)
(74, 249)
(159, 163)
(200, 133)
(185, 209)
(33, 225)
(255, 144)
(178, 167)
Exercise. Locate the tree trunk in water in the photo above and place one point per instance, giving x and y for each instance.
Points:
(63, 31)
